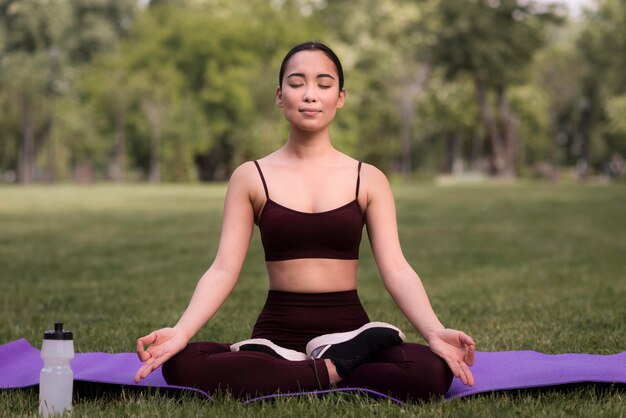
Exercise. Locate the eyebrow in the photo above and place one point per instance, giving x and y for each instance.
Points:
(323, 75)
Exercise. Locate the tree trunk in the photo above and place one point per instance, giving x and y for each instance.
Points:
(452, 160)
(26, 145)
(509, 123)
(407, 112)
(117, 165)
(589, 119)
(49, 145)
(155, 155)
(154, 110)
(408, 99)
(478, 144)
(495, 158)
(554, 138)
(502, 131)
(51, 163)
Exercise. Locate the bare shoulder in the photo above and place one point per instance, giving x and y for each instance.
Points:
(373, 173)
(244, 172)
(247, 174)
(245, 184)
(374, 182)
(245, 179)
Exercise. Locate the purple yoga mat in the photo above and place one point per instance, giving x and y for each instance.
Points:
(494, 371)
(20, 364)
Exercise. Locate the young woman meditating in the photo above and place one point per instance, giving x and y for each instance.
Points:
(311, 202)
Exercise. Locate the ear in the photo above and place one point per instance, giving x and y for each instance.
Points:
(279, 97)
(341, 100)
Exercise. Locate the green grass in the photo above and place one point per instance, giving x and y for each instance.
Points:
(538, 267)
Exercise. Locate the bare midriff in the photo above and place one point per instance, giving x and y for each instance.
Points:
(312, 275)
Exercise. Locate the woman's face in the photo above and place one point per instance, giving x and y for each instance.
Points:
(310, 94)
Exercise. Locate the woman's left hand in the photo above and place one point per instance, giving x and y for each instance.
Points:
(457, 349)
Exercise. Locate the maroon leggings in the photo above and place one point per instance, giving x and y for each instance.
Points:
(406, 371)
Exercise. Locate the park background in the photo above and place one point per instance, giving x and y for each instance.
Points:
(183, 90)
(499, 123)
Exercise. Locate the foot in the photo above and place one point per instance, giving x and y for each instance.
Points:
(261, 345)
(347, 350)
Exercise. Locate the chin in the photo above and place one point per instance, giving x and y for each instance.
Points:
(310, 128)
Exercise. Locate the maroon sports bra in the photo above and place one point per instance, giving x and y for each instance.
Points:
(288, 234)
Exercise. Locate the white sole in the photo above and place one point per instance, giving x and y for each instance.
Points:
(285, 353)
(330, 339)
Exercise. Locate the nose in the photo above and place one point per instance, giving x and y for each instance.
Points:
(309, 95)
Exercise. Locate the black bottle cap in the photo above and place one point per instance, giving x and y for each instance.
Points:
(58, 333)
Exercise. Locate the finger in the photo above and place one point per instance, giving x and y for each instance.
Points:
(466, 339)
(469, 378)
(142, 353)
(472, 382)
(141, 373)
(149, 367)
(146, 369)
(158, 362)
(463, 374)
(142, 342)
(138, 375)
(454, 368)
(148, 339)
(152, 366)
(470, 357)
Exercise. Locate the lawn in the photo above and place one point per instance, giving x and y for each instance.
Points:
(519, 267)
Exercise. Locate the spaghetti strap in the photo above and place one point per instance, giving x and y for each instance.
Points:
(267, 195)
(358, 179)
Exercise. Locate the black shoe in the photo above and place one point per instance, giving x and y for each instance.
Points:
(349, 349)
(261, 345)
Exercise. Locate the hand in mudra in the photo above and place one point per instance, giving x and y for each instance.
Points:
(162, 345)
(457, 349)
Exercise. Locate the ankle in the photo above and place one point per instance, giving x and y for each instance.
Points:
(348, 350)
(333, 375)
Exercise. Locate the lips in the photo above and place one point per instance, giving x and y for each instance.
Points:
(309, 111)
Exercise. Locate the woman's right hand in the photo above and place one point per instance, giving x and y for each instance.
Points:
(162, 345)
(458, 350)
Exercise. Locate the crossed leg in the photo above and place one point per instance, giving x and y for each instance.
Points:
(212, 366)
(407, 371)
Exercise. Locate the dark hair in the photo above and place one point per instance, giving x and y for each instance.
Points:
(311, 46)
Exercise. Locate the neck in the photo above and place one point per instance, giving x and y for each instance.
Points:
(308, 145)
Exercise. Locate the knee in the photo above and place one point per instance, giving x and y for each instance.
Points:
(180, 369)
(188, 366)
(174, 369)
(430, 373)
(441, 376)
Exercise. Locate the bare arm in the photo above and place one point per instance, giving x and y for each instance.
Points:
(215, 284)
(403, 283)
(219, 280)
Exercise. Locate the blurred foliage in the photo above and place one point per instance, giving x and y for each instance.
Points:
(183, 90)
(605, 80)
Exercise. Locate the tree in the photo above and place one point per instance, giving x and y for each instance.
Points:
(44, 44)
(30, 59)
(604, 81)
(383, 44)
(106, 87)
(96, 26)
(217, 58)
(558, 71)
(493, 42)
(447, 119)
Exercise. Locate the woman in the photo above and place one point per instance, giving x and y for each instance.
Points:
(313, 331)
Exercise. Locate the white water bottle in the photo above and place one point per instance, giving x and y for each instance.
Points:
(56, 378)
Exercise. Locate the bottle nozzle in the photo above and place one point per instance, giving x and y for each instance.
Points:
(58, 333)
